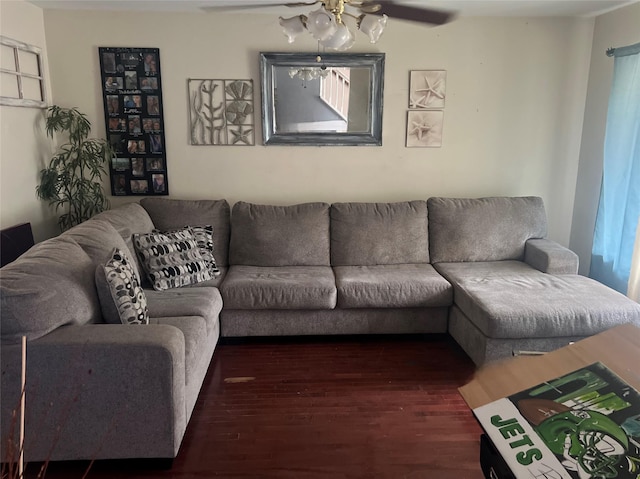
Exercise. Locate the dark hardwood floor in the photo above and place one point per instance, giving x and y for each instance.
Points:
(363, 407)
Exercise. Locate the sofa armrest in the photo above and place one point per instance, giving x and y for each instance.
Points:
(99, 391)
(550, 257)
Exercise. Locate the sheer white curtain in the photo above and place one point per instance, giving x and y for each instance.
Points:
(633, 291)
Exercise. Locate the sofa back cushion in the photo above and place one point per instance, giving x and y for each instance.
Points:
(367, 234)
(170, 215)
(98, 239)
(49, 286)
(483, 229)
(265, 235)
(128, 220)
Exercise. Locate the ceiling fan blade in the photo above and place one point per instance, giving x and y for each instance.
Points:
(301, 4)
(251, 6)
(406, 12)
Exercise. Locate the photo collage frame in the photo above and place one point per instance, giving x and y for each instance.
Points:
(134, 120)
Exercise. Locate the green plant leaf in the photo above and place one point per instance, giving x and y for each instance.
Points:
(72, 182)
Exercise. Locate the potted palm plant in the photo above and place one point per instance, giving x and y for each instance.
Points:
(73, 180)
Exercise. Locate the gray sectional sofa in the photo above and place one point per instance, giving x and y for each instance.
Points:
(477, 268)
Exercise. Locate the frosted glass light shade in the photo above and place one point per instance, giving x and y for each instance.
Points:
(373, 26)
(321, 24)
(292, 27)
(341, 40)
(307, 74)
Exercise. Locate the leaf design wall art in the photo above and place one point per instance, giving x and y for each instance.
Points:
(221, 112)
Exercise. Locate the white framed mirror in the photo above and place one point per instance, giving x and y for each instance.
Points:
(322, 99)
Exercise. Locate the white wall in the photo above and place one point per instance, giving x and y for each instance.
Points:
(615, 29)
(515, 101)
(24, 148)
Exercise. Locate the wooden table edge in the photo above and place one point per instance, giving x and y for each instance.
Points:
(617, 348)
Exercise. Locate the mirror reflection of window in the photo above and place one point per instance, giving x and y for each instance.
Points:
(312, 99)
(334, 90)
(360, 100)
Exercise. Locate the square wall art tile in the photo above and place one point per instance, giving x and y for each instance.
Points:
(424, 128)
(221, 112)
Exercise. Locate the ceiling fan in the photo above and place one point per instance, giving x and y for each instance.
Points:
(327, 23)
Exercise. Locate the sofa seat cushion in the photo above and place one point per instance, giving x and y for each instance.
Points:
(391, 286)
(194, 329)
(281, 287)
(204, 302)
(510, 299)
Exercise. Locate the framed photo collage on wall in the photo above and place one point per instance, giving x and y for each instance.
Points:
(132, 95)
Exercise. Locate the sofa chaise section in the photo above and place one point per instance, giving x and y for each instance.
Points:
(513, 289)
(518, 308)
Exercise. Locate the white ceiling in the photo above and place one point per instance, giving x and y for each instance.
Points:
(463, 7)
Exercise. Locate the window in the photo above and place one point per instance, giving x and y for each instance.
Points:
(619, 208)
(21, 75)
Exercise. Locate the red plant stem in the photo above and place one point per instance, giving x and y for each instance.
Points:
(22, 406)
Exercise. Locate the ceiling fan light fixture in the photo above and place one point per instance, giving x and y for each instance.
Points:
(372, 26)
(321, 24)
(341, 40)
(330, 23)
(292, 27)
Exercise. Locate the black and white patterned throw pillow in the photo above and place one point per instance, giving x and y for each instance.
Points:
(121, 296)
(171, 259)
(204, 240)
